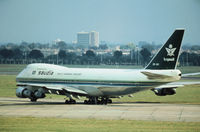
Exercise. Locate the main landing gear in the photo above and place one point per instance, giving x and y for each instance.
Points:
(71, 101)
(91, 100)
(33, 99)
(95, 100)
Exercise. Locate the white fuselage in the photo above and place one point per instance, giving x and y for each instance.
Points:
(109, 82)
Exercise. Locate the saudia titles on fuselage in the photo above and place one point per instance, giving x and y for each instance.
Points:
(43, 72)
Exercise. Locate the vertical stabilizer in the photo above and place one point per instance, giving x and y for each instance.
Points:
(168, 55)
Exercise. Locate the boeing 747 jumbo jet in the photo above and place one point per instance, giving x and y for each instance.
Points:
(99, 85)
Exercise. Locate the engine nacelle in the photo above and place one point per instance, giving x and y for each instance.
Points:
(22, 92)
(164, 91)
(39, 94)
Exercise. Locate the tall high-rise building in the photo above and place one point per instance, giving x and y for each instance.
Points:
(94, 38)
(88, 39)
(83, 38)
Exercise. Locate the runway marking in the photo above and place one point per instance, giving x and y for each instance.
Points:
(181, 112)
(152, 116)
(123, 113)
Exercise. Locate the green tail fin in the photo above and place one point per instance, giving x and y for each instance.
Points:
(167, 56)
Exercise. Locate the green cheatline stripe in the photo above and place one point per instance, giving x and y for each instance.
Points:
(81, 80)
(88, 82)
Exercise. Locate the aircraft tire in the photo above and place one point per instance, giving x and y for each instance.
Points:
(33, 99)
(70, 101)
(85, 102)
(66, 101)
(109, 101)
(73, 101)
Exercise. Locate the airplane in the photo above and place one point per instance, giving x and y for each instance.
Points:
(100, 85)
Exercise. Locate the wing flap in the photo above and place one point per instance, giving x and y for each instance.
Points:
(74, 90)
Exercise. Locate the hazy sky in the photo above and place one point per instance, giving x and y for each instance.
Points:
(120, 21)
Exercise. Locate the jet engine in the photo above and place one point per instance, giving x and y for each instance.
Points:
(22, 92)
(39, 94)
(164, 91)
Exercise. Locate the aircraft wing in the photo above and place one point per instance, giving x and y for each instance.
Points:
(169, 86)
(67, 89)
(184, 83)
(177, 84)
(191, 74)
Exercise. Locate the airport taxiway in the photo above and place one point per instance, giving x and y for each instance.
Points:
(132, 111)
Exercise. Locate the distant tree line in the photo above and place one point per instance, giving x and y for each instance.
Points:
(189, 59)
(30, 53)
(142, 57)
(16, 56)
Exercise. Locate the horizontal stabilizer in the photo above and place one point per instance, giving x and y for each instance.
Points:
(155, 76)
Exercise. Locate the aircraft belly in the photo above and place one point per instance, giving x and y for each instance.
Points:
(117, 91)
(91, 90)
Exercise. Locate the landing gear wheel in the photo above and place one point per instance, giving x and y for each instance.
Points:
(66, 101)
(105, 101)
(109, 101)
(96, 100)
(85, 102)
(92, 100)
(71, 101)
(33, 99)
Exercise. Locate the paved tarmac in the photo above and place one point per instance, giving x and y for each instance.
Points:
(132, 111)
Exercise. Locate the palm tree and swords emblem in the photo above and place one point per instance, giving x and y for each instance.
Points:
(170, 50)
